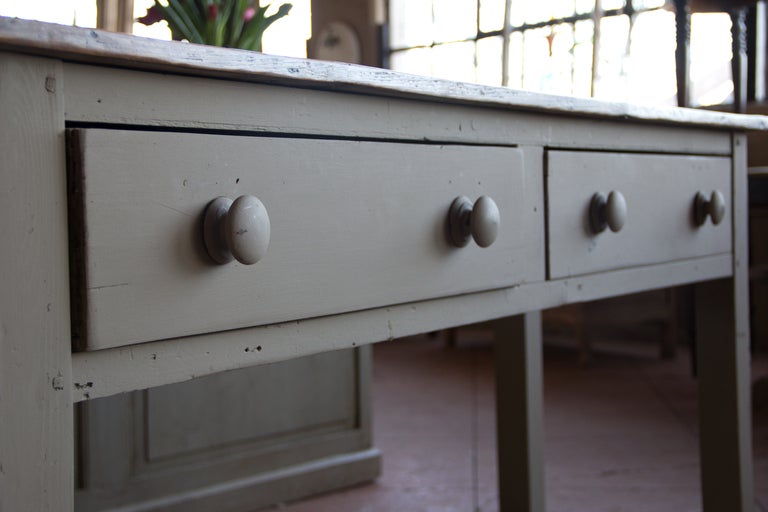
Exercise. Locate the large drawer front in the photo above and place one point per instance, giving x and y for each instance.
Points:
(659, 191)
(354, 225)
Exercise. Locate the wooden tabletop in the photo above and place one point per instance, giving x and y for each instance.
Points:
(99, 47)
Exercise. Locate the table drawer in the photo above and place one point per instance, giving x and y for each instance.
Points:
(354, 225)
(659, 194)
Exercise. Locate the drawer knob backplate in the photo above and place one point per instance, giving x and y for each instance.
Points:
(480, 221)
(714, 207)
(236, 229)
(608, 212)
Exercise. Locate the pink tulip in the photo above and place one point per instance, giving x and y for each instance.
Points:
(249, 13)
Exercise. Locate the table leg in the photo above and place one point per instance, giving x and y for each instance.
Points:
(519, 406)
(722, 342)
(722, 337)
(36, 455)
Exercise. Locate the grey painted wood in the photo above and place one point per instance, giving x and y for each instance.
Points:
(125, 97)
(87, 45)
(660, 193)
(36, 465)
(725, 429)
(119, 96)
(107, 372)
(355, 225)
(519, 412)
(723, 352)
(379, 107)
(257, 432)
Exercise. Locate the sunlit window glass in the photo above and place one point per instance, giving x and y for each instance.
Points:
(81, 13)
(711, 79)
(621, 50)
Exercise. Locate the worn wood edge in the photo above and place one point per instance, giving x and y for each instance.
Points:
(118, 370)
(96, 46)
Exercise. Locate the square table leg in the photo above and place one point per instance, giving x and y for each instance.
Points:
(519, 406)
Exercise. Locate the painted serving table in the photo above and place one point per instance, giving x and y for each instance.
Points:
(368, 205)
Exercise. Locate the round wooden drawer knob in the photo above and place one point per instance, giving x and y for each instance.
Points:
(479, 221)
(608, 212)
(236, 229)
(714, 207)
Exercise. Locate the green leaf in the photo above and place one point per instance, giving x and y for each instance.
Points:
(265, 22)
(220, 24)
(236, 23)
(254, 32)
(192, 32)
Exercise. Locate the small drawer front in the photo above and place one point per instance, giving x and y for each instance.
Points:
(354, 225)
(659, 222)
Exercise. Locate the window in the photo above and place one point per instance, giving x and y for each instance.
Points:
(621, 50)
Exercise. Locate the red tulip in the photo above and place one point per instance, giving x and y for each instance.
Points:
(213, 11)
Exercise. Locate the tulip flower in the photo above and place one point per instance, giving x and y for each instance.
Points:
(230, 23)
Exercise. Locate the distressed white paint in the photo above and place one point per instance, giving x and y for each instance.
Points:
(105, 47)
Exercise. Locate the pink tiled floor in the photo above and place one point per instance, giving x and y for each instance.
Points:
(620, 433)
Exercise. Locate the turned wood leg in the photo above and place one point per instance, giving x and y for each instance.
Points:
(519, 408)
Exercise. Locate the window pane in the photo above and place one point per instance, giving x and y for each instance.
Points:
(491, 15)
(535, 59)
(489, 60)
(584, 6)
(288, 36)
(711, 78)
(515, 72)
(582, 58)
(612, 4)
(611, 76)
(454, 61)
(652, 59)
(561, 60)
(545, 10)
(410, 23)
(81, 13)
(648, 4)
(417, 61)
(454, 20)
